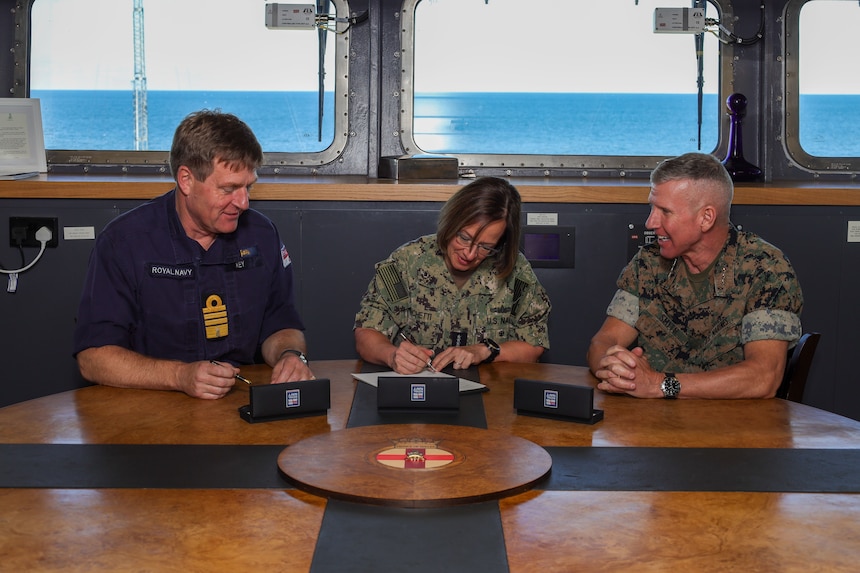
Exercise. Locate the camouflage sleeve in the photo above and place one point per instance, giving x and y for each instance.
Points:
(771, 324)
(628, 279)
(531, 309)
(376, 310)
(775, 303)
(625, 307)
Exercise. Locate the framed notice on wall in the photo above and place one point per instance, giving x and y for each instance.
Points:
(22, 142)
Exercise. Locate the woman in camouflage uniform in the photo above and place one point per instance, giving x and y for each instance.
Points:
(462, 296)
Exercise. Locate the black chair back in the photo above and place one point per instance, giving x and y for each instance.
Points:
(797, 367)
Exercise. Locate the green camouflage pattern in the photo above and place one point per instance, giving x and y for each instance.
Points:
(413, 290)
(755, 296)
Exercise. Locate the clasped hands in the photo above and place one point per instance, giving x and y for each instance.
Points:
(624, 371)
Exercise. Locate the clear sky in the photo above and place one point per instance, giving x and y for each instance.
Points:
(828, 62)
(190, 44)
(462, 45)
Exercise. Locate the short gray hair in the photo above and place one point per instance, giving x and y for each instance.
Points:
(703, 168)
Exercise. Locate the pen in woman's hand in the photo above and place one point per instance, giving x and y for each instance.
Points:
(429, 360)
(236, 376)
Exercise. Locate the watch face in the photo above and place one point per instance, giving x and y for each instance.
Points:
(670, 386)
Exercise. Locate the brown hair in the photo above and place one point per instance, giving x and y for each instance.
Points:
(483, 201)
(206, 136)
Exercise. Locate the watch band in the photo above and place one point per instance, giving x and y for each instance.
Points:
(494, 350)
(298, 353)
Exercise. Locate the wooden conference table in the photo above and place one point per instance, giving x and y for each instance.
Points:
(634, 492)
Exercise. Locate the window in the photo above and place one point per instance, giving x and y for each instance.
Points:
(556, 84)
(822, 90)
(131, 70)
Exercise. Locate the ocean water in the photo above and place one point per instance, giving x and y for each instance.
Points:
(830, 124)
(485, 123)
(104, 120)
(564, 124)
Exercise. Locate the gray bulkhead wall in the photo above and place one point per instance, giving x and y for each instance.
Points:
(334, 246)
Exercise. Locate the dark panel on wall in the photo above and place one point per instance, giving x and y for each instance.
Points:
(38, 319)
(287, 217)
(339, 251)
(845, 382)
(814, 240)
(580, 295)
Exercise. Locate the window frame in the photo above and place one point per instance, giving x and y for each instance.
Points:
(791, 107)
(130, 161)
(547, 165)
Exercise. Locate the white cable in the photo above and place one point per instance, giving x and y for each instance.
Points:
(43, 238)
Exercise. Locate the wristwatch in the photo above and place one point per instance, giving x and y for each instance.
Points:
(670, 386)
(494, 349)
(298, 353)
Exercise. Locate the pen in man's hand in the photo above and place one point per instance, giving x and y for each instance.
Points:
(429, 360)
(236, 376)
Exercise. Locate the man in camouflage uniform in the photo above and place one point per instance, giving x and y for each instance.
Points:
(718, 305)
(462, 296)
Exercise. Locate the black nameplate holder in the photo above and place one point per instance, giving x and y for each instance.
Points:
(555, 400)
(270, 402)
(423, 393)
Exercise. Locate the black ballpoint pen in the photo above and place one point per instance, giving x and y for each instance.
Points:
(236, 376)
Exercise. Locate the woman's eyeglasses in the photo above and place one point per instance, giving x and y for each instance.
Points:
(467, 242)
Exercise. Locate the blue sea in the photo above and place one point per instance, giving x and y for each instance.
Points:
(505, 123)
(282, 121)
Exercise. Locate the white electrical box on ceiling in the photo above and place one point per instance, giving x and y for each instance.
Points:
(291, 16)
(679, 20)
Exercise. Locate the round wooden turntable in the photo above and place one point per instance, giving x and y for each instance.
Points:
(415, 465)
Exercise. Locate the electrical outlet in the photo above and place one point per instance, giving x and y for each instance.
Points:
(22, 230)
